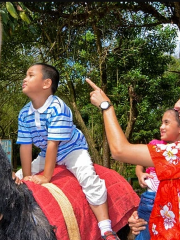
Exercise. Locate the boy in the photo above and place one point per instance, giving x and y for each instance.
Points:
(47, 122)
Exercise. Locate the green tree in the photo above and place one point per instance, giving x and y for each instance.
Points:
(118, 45)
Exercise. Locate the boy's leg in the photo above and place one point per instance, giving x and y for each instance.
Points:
(79, 163)
(100, 211)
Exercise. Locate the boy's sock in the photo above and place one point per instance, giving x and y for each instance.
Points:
(105, 226)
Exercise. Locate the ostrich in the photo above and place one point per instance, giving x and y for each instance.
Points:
(23, 218)
(20, 211)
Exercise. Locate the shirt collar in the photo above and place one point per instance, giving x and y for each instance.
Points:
(43, 108)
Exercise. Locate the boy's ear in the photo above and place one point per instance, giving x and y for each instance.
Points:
(47, 83)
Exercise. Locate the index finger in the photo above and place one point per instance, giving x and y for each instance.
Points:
(93, 85)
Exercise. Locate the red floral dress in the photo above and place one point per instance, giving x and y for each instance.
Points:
(165, 217)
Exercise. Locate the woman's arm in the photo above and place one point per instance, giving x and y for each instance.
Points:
(120, 148)
(136, 224)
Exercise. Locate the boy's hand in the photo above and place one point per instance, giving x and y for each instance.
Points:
(39, 179)
(27, 178)
(16, 179)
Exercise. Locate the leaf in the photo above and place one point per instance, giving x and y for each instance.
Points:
(24, 17)
(11, 10)
(4, 16)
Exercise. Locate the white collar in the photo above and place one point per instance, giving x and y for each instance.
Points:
(43, 108)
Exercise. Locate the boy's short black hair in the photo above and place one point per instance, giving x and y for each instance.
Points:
(51, 72)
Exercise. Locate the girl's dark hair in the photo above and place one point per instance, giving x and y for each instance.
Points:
(51, 72)
(176, 114)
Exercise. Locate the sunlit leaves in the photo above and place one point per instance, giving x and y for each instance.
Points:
(10, 8)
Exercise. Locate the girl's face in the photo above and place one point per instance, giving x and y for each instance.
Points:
(169, 129)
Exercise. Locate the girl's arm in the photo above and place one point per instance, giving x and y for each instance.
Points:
(139, 170)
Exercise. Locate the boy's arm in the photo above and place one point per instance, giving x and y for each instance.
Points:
(50, 162)
(26, 158)
(16, 179)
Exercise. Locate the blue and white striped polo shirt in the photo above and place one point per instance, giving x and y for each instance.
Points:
(53, 121)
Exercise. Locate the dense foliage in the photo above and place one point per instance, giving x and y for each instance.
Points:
(121, 46)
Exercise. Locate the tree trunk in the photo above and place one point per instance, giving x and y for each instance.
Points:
(132, 114)
(92, 149)
(71, 101)
(0, 35)
(176, 14)
(103, 80)
(106, 151)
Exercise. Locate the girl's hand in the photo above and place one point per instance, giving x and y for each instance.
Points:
(142, 177)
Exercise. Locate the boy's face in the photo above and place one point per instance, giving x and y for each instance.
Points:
(169, 129)
(33, 82)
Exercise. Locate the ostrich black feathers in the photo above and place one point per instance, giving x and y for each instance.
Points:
(22, 219)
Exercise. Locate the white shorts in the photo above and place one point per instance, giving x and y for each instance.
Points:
(79, 163)
(37, 166)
